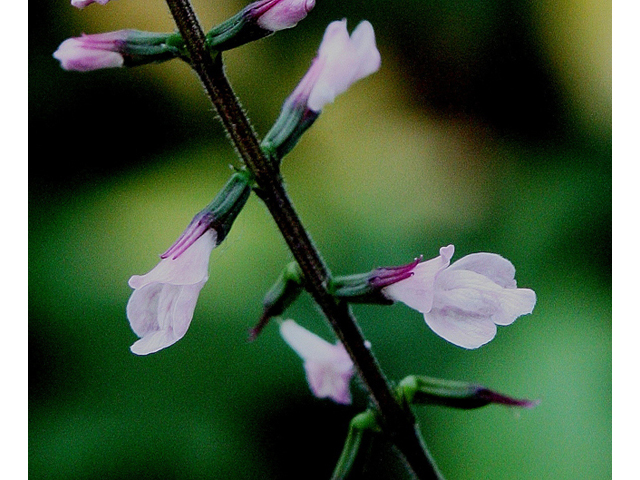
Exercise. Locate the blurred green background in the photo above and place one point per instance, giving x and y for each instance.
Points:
(488, 126)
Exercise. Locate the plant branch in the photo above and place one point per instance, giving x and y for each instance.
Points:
(396, 421)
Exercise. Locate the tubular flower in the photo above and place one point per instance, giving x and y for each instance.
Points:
(161, 307)
(328, 367)
(341, 61)
(463, 302)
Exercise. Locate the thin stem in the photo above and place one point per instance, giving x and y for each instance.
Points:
(397, 422)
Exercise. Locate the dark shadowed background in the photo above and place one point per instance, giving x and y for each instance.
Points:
(488, 126)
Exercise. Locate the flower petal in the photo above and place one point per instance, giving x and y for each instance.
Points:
(478, 295)
(160, 314)
(417, 291)
(325, 382)
(189, 268)
(457, 327)
(493, 266)
(328, 367)
(306, 344)
(343, 61)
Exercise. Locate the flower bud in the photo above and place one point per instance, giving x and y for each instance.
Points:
(84, 3)
(422, 390)
(117, 49)
(287, 288)
(367, 287)
(219, 215)
(256, 21)
(275, 15)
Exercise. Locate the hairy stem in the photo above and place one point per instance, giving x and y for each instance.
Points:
(397, 422)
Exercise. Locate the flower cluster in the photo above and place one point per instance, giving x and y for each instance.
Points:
(462, 302)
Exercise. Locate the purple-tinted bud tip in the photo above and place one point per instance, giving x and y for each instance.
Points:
(494, 397)
(198, 226)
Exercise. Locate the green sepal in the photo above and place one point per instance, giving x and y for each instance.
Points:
(293, 122)
(280, 296)
(141, 48)
(358, 289)
(363, 430)
(234, 32)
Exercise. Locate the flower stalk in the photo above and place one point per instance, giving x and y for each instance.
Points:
(397, 422)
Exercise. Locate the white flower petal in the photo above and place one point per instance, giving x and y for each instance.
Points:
(191, 267)
(341, 61)
(464, 330)
(162, 313)
(306, 344)
(325, 382)
(493, 266)
(154, 342)
(513, 304)
(328, 367)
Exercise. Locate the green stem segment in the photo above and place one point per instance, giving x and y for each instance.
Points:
(397, 422)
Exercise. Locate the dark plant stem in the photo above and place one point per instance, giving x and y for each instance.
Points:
(397, 422)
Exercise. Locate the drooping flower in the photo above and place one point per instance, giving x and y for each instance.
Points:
(275, 15)
(84, 3)
(161, 307)
(463, 302)
(341, 61)
(328, 367)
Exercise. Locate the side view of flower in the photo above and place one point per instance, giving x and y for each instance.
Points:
(328, 367)
(342, 60)
(463, 302)
(161, 307)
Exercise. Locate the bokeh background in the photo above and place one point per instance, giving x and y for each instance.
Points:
(488, 126)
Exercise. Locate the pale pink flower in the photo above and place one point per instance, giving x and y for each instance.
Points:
(161, 307)
(464, 302)
(328, 367)
(84, 3)
(92, 52)
(341, 61)
(275, 15)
